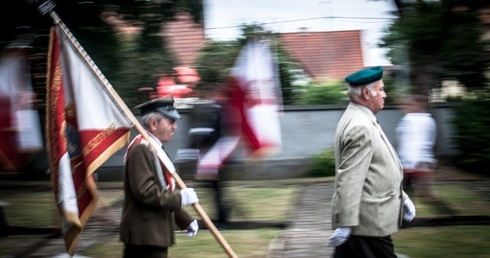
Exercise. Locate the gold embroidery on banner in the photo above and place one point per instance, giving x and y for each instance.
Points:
(58, 76)
(70, 110)
(54, 86)
(49, 126)
(97, 140)
(82, 190)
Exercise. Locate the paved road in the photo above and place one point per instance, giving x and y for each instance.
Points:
(310, 227)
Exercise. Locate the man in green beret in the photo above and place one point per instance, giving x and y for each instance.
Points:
(368, 204)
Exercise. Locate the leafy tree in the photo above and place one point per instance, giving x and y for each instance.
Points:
(444, 40)
(214, 63)
(142, 61)
(286, 64)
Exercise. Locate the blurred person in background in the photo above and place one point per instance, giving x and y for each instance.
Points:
(246, 115)
(213, 139)
(416, 137)
(20, 128)
(152, 204)
(368, 204)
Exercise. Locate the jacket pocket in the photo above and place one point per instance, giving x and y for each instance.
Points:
(381, 197)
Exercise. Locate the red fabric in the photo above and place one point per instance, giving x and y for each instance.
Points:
(166, 174)
(241, 103)
(8, 144)
(75, 154)
(255, 95)
(419, 172)
(186, 75)
(57, 141)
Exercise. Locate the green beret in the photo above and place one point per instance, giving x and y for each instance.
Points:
(365, 76)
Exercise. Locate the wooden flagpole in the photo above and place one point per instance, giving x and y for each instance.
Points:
(47, 7)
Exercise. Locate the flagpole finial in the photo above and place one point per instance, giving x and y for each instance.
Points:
(46, 6)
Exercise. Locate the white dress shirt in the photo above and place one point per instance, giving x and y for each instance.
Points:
(416, 135)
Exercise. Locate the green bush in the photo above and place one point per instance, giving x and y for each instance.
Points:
(335, 92)
(471, 124)
(323, 94)
(323, 164)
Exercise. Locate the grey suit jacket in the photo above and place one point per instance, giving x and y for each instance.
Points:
(149, 211)
(368, 185)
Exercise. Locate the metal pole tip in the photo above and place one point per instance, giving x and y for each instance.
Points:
(46, 6)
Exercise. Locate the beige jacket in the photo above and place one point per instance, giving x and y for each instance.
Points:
(368, 185)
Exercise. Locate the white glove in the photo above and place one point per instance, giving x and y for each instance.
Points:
(339, 236)
(189, 196)
(409, 212)
(192, 229)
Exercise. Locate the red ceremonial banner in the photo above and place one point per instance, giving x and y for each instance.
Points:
(83, 129)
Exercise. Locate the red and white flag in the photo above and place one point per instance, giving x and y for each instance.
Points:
(257, 97)
(83, 129)
(252, 110)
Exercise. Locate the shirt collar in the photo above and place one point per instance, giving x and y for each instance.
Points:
(366, 110)
(157, 141)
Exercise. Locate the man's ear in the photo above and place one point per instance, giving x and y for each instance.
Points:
(153, 123)
(365, 93)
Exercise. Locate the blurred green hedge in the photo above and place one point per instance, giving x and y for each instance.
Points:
(471, 123)
(323, 164)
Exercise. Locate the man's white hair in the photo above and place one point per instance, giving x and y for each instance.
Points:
(355, 91)
(145, 120)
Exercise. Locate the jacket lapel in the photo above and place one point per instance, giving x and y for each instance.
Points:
(388, 144)
(375, 123)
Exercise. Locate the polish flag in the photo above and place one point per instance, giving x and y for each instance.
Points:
(84, 128)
